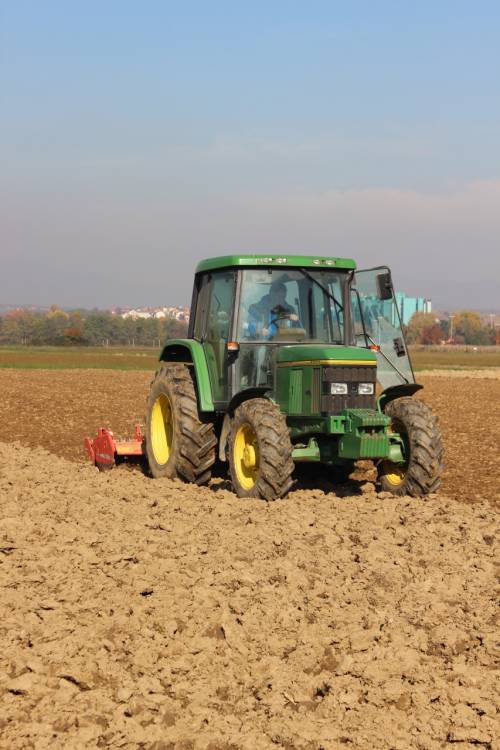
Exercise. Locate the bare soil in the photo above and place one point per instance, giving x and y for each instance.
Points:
(140, 613)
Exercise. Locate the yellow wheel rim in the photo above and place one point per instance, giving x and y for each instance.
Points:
(246, 456)
(395, 474)
(162, 429)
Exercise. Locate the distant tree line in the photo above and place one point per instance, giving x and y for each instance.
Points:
(85, 328)
(96, 328)
(464, 327)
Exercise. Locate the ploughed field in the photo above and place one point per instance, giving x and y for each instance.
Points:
(140, 613)
(54, 409)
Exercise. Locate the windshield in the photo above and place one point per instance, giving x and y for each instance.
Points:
(292, 305)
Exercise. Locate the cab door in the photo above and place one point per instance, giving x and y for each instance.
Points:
(377, 323)
(218, 292)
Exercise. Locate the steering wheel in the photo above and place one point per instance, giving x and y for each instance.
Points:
(284, 316)
(281, 314)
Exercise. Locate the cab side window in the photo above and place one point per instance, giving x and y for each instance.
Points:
(220, 306)
(212, 325)
(202, 306)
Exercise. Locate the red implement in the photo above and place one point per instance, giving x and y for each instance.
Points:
(103, 450)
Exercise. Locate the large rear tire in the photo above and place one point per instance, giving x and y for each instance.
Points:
(178, 443)
(421, 472)
(260, 451)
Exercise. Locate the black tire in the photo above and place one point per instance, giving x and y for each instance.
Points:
(271, 475)
(191, 452)
(422, 471)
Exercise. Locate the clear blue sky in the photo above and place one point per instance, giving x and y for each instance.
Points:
(136, 138)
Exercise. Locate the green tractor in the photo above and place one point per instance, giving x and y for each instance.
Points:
(291, 359)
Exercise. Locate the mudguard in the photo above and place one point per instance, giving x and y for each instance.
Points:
(190, 352)
(397, 391)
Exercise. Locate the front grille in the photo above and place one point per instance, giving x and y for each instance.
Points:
(352, 375)
(295, 404)
(316, 390)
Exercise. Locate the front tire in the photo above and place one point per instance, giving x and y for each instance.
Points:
(421, 472)
(260, 451)
(178, 443)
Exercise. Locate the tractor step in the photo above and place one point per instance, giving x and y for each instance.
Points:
(103, 450)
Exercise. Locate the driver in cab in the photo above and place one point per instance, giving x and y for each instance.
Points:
(271, 312)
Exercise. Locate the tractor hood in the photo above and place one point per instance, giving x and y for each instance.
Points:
(324, 354)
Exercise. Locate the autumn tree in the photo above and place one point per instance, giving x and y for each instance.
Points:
(19, 327)
(468, 325)
(420, 321)
(432, 334)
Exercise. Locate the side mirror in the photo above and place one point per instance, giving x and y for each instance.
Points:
(384, 285)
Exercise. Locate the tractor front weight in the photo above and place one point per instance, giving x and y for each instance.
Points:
(354, 434)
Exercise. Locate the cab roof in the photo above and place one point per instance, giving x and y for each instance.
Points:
(274, 259)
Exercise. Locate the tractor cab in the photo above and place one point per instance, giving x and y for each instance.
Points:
(255, 314)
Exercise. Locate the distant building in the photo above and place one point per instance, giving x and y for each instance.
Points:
(408, 306)
(135, 314)
(175, 312)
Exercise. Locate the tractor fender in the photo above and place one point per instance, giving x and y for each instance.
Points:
(190, 352)
(397, 391)
(233, 404)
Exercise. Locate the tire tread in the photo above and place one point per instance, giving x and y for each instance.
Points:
(195, 451)
(426, 447)
(276, 464)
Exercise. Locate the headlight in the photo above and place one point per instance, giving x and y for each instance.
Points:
(338, 389)
(365, 389)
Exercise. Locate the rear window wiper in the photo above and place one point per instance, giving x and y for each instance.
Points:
(318, 283)
(337, 304)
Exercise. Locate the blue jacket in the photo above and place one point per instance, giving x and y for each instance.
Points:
(261, 316)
